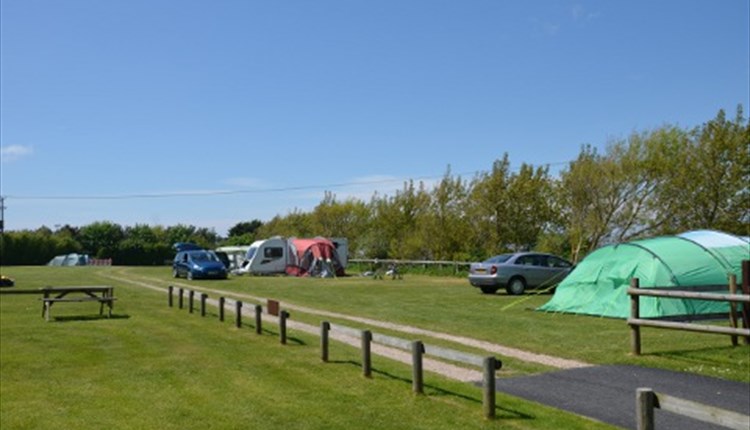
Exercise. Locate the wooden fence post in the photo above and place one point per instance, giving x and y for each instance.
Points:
(644, 408)
(366, 356)
(191, 296)
(181, 293)
(283, 315)
(325, 327)
(488, 387)
(222, 301)
(417, 351)
(635, 313)
(204, 296)
(171, 290)
(258, 319)
(238, 314)
(746, 291)
(733, 307)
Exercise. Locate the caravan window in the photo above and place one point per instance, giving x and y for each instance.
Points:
(251, 253)
(273, 253)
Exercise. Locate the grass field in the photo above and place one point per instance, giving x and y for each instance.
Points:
(152, 366)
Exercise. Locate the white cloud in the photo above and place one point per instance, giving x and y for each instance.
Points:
(365, 187)
(11, 153)
(581, 14)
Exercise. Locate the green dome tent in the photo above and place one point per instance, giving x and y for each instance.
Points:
(598, 285)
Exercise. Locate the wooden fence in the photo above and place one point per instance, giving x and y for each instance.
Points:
(647, 400)
(490, 364)
(456, 265)
(418, 349)
(636, 322)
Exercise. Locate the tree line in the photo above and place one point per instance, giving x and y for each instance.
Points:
(657, 182)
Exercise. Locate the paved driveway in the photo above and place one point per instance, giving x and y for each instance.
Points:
(607, 393)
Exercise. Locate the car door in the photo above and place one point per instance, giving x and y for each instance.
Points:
(526, 266)
(179, 263)
(543, 272)
(558, 268)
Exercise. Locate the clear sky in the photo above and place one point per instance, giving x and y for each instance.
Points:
(214, 112)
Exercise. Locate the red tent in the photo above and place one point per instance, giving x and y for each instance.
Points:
(313, 257)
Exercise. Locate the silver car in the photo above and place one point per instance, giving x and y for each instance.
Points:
(517, 272)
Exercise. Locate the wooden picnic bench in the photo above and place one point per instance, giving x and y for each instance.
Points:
(104, 295)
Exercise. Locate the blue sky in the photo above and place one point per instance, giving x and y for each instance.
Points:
(214, 112)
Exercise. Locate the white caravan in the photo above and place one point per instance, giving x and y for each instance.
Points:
(236, 255)
(266, 257)
(272, 256)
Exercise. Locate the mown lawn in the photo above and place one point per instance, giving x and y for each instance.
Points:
(152, 366)
(450, 305)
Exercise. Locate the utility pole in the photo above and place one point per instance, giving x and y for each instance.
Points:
(2, 214)
(2, 228)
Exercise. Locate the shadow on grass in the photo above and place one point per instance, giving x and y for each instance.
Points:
(699, 355)
(431, 390)
(264, 331)
(88, 318)
(296, 341)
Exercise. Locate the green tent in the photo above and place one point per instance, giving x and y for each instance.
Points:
(598, 285)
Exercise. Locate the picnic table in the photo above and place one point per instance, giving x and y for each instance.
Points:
(104, 295)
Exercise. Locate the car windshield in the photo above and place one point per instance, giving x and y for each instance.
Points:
(502, 258)
(203, 256)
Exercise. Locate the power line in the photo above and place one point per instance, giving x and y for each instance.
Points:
(241, 191)
(204, 193)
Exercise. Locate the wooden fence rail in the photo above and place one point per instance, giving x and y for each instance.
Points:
(456, 265)
(409, 262)
(647, 400)
(636, 322)
(238, 305)
(418, 350)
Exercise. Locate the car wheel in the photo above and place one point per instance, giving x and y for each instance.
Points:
(488, 290)
(516, 286)
(190, 275)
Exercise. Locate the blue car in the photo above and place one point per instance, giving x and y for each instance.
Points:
(198, 264)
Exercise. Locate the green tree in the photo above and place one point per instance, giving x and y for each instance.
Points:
(34, 247)
(712, 188)
(295, 224)
(394, 224)
(348, 219)
(487, 211)
(179, 233)
(101, 239)
(529, 212)
(143, 246)
(410, 208)
(245, 228)
(444, 227)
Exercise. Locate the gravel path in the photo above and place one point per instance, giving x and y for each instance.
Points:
(493, 348)
(604, 393)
